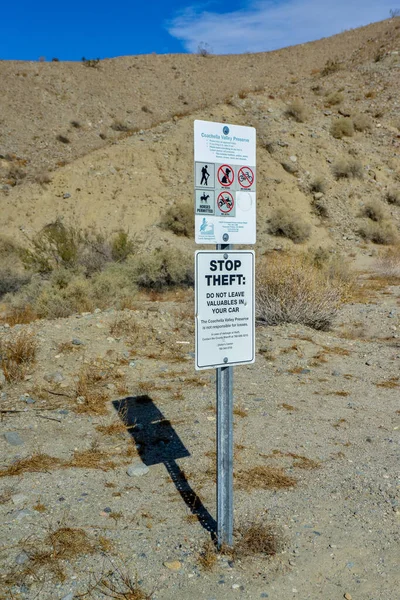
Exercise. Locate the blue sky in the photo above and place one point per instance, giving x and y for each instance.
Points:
(70, 30)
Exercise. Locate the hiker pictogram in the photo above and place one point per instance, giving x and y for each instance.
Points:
(225, 202)
(245, 177)
(204, 175)
(226, 175)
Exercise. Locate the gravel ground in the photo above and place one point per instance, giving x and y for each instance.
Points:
(324, 407)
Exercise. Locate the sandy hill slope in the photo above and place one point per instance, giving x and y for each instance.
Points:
(112, 178)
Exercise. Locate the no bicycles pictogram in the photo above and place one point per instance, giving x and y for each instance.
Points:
(245, 177)
(225, 202)
(226, 175)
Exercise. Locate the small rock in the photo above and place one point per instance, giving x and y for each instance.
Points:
(137, 470)
(174, 565)
(110, 386)
(305, 371)
(18, 499)
(13, 438)
(318, 196)
(132, 363)
(293, 158)
(69, 596)
(2, 379)
(22, 558)
(336, 373)
(347, 596)
(107, 509)
(235, 586)
(97, 311)
(66, 195)
(110, 340)
(56, 377)
(77, 342)
(368, 363)
(29, 400)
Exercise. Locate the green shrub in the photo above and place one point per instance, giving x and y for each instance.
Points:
(163, 268)
(383, 232)
(297, 111)
(288, 224)
(342, 127)
(347, 168)
(179, 219)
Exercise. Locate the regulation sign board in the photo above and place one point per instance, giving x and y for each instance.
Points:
(225, 171)
(224, 284)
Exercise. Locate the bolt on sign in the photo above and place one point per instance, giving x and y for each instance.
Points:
(225, 183)
(224, 308)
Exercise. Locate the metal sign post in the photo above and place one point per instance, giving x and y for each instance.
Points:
(225, 214)
(224, 389)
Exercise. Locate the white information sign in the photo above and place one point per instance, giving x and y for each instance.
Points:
(224, 308)
(225, 183)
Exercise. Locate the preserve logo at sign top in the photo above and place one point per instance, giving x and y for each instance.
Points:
(225, 183)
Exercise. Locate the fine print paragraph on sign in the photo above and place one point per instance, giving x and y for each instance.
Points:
(224, 308)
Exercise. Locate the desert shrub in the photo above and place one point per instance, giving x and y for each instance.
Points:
(297, 111)
(373, 210)
(179, 219)
(342, 127)
(388, 264)
(333, 98)
(91, 62)
(288, 224)
(331, 66)
(320, 207)
(55, 245)
(362, 122)
(383, 232)
(393, 196)
(163, 268)
(63, 139)
(17, 354)
(59, 245)
(120, 126)
(347, 168)
(291, 289)
(11, 280)
(204, 50)
(318, 185)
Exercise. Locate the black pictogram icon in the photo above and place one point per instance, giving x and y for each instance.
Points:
(225, 202)
(204, 175)
(204, 197)
(225, 175)
(245, 177)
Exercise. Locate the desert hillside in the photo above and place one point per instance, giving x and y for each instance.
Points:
(125, 149)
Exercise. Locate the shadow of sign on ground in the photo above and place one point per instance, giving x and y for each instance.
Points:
(158, 442)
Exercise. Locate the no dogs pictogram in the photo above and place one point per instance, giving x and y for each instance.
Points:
(225, 202)
(226, 175)
(245, 177)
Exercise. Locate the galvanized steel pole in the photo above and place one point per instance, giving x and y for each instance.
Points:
(224, 389)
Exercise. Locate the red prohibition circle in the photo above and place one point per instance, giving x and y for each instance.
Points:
(222, 174)
(225, 205)
(243, 178)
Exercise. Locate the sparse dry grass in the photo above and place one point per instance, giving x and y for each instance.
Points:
(124, 325)
(374, 210)
(208, 556)
(393, 196)
(391, 383)
(19, 316)
(258, 538)
(264, 477)
(17, 354)
(388, 264)
(38, 463)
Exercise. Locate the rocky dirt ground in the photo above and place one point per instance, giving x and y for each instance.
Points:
(108, 458)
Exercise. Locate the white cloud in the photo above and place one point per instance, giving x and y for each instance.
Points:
(267, 25)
